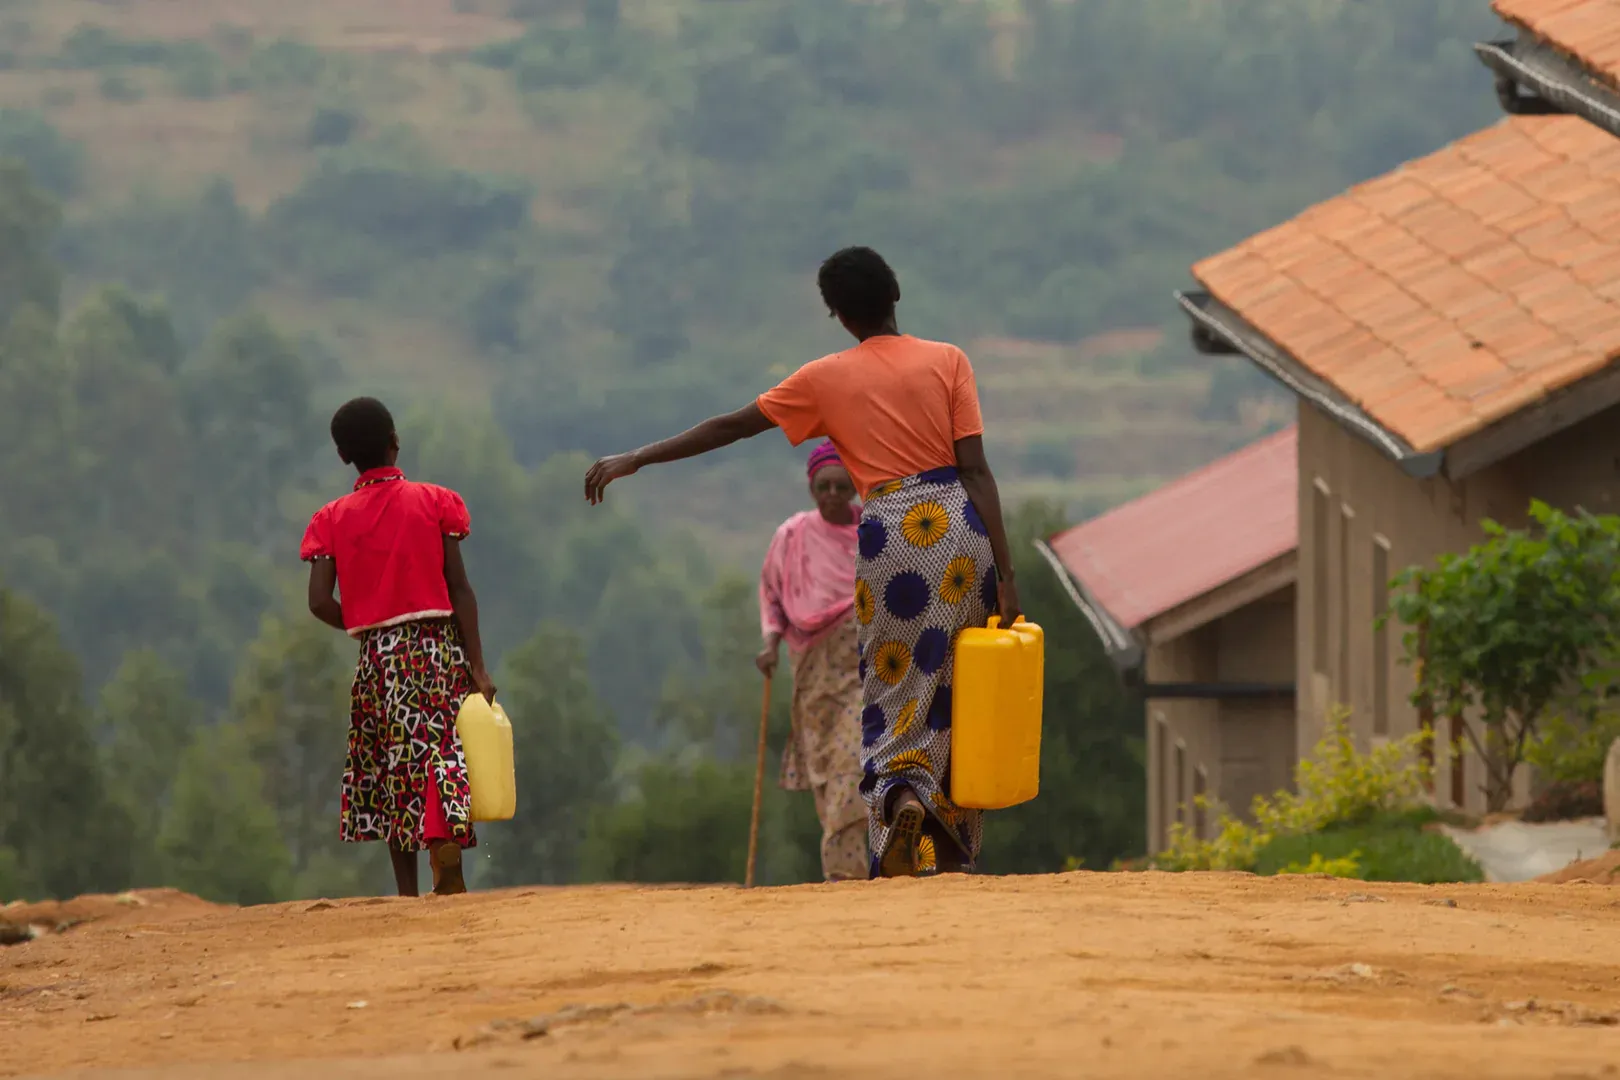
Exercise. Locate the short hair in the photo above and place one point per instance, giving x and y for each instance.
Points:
(363, 430)
(858, 285)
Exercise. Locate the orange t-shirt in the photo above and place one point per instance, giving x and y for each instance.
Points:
(893, 405)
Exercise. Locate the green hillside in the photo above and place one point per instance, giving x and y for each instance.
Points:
(684, 164)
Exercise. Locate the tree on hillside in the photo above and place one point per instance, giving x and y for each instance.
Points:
(565, 747)
(28, 222)
(1509, 631)
(36, 407)
(56, 162)
(146, 721)
(129, 433)
(64, 834)
(220, 839)
(250, 402)
(291, 699)
(505, 555)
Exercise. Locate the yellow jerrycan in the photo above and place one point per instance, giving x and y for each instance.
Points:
(996, 715)
(486, 742)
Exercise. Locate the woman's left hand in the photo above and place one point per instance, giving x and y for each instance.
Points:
(604, 472)
(1007, 605)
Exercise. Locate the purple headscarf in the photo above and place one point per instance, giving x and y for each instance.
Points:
(822, 456)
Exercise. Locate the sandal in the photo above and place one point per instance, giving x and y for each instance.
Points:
(446, 862)
(901, 858)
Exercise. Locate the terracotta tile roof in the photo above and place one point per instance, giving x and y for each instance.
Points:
(1457, 289)
(1588, 30)
(1190, 536)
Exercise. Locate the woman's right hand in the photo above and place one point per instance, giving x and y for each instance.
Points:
(605, 471)
(1007, 605)
(767, 659)
(484, 683)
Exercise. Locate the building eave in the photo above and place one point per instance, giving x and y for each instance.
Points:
(1250, 587)
(1123, 648)
(1532, 76)
(1220, 331)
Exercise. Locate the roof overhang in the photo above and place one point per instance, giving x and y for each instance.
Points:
(1123, 647)
(1534, 77)
(1219, 331)
(1126, 647)
(1222, 600)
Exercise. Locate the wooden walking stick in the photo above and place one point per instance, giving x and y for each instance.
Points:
(759, 785)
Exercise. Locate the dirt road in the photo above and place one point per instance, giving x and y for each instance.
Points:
(1080, 975)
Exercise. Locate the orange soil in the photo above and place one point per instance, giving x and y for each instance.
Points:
(1603, 870)
(145, 906)
(1110, 975)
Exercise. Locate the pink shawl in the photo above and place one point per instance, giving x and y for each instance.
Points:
(807, 586)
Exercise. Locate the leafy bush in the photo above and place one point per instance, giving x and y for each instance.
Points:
(91, 47)
(1512, 627)
(331, 126)
(196, 70)
(56, 162)
(285, 63)
(1572, 752)
(1337, 787)
(1395, 847)
(1347, 867)
(119, 87)
(354, 218)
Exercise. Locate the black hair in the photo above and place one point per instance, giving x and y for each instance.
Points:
(363, 430)
(858, 285)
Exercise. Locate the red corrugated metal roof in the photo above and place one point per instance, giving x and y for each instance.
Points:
(1190, 536)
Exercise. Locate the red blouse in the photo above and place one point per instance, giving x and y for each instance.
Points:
(387, 537)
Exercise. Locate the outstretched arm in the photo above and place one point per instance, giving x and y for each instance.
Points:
(323, 603)
(980, 483)
(464, 602)
(712, 434)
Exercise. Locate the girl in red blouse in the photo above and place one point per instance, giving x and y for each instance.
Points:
(392, 549)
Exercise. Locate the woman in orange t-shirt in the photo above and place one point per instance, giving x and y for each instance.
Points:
(932, 552)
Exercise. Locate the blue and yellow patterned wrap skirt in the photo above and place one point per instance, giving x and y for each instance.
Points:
(924, 572)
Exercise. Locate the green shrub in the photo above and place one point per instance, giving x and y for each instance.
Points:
(55, 162)
(1571, 752)
(1397, 847)
(285, 63)
(116, 86)
(91, 47)
(1338, 786)
(196, 71)
(1348, 866)
(331, 126)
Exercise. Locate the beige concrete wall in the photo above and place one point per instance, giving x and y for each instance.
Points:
(1256, 644)
(1241, 748)
(1180, 731)
(1354, 501)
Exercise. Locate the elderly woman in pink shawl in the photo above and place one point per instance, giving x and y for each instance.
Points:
(807, 598)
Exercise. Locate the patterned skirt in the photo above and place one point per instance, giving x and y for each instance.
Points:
(823, 751)
(924, 572)
(408, 687)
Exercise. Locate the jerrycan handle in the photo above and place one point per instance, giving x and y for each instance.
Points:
(995, 622)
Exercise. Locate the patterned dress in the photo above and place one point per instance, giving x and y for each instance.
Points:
(822, 755)
(408, 687)
(924, 572)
